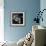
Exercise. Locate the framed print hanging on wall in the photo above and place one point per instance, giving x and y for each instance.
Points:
(17, 18)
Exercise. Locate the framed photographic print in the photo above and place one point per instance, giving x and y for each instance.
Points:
(17, 18)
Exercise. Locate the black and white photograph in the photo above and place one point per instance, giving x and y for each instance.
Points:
(17, 18)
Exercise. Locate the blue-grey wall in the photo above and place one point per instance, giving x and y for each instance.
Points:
(43, 6)
(30, 7)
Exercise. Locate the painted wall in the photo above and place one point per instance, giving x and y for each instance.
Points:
(30, 7)
(43, 6)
